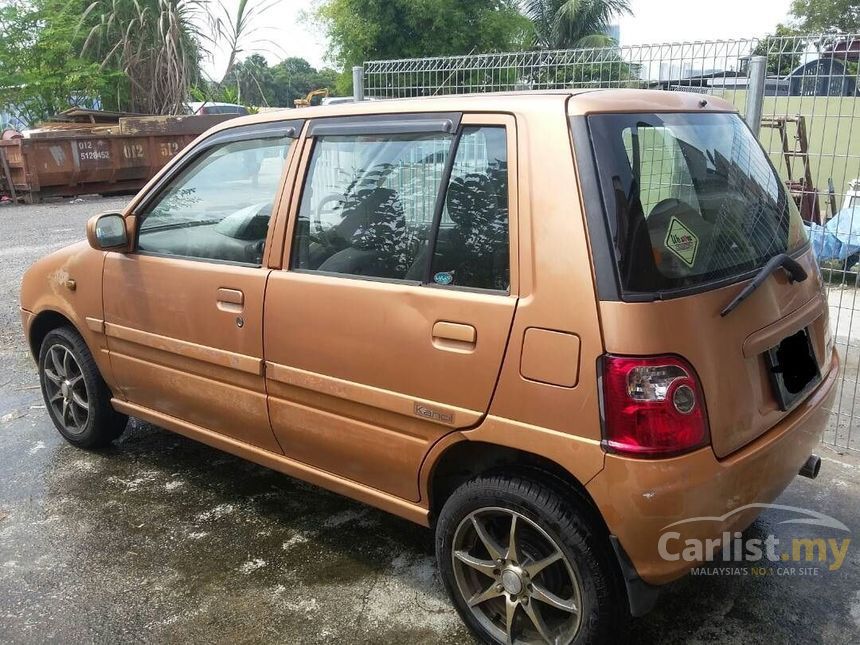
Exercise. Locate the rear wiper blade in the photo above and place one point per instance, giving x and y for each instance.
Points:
(796, 273)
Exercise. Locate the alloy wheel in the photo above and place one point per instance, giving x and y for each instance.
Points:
(66, 389)
(515, 579)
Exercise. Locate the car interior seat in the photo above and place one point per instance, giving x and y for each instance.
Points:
(377, 242)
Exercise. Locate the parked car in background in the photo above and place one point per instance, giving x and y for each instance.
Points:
(211, 107)
(337, 100)
(548, 325)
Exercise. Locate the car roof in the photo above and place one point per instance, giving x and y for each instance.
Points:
(580, 101)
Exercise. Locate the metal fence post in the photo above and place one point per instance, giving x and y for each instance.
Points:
(755, 92)
(358, 83)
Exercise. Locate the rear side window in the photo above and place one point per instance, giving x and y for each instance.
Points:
(690, 199)
(472, 245)
(408, 207)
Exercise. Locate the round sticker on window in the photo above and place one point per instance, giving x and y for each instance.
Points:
(443, 277)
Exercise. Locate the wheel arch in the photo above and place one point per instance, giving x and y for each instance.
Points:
(461, 461)
(43, 323)
(464, 460)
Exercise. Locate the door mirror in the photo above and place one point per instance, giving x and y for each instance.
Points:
(107, 232)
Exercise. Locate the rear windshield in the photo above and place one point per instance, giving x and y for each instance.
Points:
(690, 199)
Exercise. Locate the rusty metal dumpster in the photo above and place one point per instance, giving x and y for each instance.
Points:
(82, 164)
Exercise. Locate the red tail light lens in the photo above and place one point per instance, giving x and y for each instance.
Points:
(652, 406)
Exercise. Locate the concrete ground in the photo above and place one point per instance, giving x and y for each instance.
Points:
(163, 539)
(844, 299)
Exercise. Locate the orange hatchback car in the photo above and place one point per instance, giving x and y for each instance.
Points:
(546, 324)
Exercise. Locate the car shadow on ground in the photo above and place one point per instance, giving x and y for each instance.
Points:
(260, 550)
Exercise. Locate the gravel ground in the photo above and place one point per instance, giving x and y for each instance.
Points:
(163, 539)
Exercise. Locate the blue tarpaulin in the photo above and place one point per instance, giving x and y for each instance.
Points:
(839, 239)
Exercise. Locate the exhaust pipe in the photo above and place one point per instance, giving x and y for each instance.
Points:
(811, 467)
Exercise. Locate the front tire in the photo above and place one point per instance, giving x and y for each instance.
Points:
(76, 396)
(526, 562)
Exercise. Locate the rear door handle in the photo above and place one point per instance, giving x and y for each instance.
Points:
(453, 336)
(231, 300)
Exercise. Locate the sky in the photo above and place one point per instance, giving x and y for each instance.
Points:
(284, 25)
(662, 21)
(654, 21)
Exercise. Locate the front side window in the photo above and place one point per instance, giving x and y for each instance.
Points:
(370, 207)
(690, 199)
(219, 206)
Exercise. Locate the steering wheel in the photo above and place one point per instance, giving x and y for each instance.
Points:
(324, 208)
(256, 251)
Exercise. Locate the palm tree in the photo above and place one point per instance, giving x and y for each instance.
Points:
(573, 24)
(156, 44)
(239, 31)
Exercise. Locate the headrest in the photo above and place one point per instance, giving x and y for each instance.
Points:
(382, 223)
(472, 199)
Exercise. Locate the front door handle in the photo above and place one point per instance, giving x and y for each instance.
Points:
(231, 300)
(452, 336)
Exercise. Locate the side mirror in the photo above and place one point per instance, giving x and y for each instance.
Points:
(108, 232)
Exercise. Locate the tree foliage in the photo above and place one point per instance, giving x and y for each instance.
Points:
(783, 50)
(361, 30)
(256, 83)
(827, 15)
(251, 80)
(295, 77)
(40, 71)
(573, 24)
(131, 55)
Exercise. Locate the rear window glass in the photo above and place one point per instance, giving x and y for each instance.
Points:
(690, 199)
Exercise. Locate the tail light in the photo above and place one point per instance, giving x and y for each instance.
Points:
(652, 406)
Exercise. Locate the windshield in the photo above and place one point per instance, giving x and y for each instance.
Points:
(690, 199)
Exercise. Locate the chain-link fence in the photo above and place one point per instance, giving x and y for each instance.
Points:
(804, 87)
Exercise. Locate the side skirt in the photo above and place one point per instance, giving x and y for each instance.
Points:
(371, 496)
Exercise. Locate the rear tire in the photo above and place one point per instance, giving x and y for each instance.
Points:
(560, 582)
(75, 394)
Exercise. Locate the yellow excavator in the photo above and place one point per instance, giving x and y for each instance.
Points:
(306, 102)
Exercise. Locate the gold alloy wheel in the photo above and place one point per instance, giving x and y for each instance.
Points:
(515, 578)
(66, 389)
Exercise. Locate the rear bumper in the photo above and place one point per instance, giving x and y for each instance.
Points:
(639, 498)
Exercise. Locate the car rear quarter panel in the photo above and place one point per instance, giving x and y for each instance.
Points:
(561, 421)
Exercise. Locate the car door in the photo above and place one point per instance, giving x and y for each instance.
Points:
(184, 310)
(387, 326)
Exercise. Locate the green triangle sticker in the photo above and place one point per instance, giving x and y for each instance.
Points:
(682, 242)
